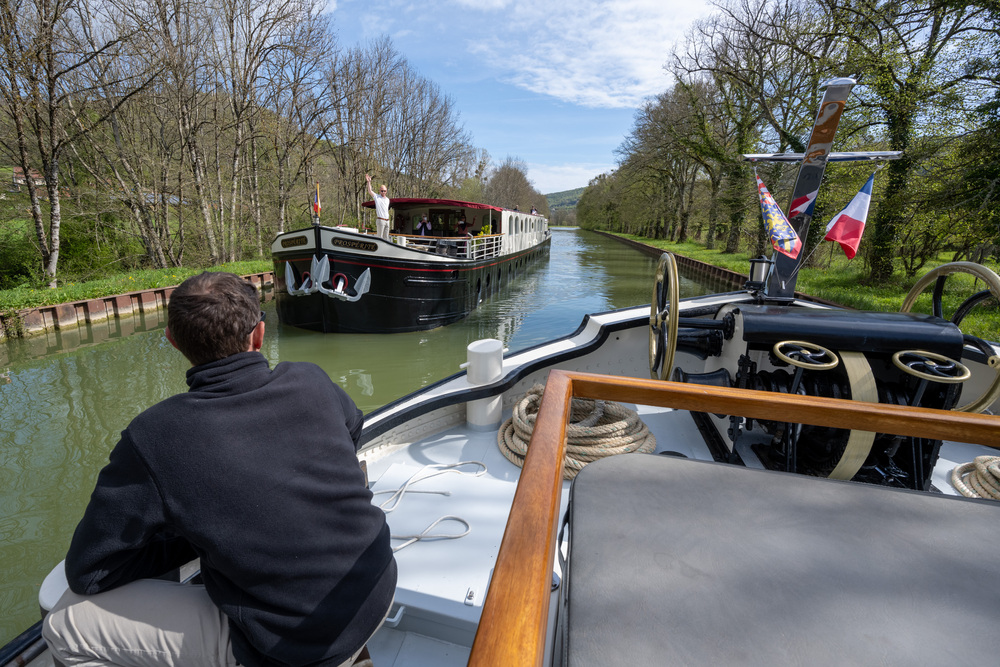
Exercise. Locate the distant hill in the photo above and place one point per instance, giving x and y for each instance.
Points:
(564, 200)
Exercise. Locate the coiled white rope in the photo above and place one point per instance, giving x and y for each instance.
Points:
(979, 478)
(597, 429)
(427, 472)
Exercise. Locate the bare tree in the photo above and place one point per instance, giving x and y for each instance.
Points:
(299, 94)
(42, 61)
(509, 187)
(122, 146)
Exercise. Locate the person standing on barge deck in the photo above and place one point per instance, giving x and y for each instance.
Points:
(424, 226)
(381, 208)
(463, 233)
(253, 470)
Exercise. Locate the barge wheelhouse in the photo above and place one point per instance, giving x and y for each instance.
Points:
(338, 279)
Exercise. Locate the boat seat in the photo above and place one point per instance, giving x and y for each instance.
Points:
(718, 564)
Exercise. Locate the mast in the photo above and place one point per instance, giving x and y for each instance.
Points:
(782, 281)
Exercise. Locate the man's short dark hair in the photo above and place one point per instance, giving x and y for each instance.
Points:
(211, 316)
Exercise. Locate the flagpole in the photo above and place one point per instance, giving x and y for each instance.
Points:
(781, 284)
(803, 262)
(834, 220)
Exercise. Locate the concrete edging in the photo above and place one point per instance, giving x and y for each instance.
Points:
(71, 315)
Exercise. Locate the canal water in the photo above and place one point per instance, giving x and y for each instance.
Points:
(62, 410)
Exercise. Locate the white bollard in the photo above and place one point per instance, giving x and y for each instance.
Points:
(485, 365)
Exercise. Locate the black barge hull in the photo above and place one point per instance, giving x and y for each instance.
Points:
(408, 290)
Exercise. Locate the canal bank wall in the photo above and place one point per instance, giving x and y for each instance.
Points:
(97, 320)
(715, 277)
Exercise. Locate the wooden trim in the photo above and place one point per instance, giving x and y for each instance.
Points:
(512, 629)
(814, 410)
(515, 615)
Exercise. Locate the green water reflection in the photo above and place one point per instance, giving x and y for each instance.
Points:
(69, 395)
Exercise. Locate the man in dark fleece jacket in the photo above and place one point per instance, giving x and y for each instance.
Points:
(254, 470)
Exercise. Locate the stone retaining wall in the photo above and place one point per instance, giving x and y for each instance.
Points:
(147, 305)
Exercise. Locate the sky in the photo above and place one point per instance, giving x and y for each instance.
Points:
(555, 83)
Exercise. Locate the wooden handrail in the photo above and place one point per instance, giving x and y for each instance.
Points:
(512, 628)
(512, 625)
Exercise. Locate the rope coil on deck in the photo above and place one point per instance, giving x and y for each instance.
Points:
(597, 429)
(979, 478)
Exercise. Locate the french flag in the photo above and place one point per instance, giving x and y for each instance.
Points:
(803, 204)
(316, 205)
(847, 226)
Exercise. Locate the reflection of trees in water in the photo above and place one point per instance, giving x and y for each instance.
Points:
(62, 415)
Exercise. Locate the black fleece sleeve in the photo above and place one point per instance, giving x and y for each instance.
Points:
(123, 535)
(354, 417)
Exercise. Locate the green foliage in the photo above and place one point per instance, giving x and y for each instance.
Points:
(27, 297)
(19, 263)
(566, 199)
(92, 246)
(470, 190)
(839, 282)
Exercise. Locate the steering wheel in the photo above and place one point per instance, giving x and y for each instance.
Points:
(806, 355)
(663, 318)
(931, 366)
(993, 283)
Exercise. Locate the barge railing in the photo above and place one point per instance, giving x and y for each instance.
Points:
(475, 247)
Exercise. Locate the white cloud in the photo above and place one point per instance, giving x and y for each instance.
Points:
(483, 4)
(584, 67)
(589, 52)
(549, 178)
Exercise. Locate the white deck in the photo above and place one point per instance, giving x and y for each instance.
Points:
(442, 583)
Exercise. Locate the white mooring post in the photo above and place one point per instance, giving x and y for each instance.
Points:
(485, 365)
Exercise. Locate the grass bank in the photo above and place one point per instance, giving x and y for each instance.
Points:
(132, 281)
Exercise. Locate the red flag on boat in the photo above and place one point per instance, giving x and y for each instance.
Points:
(847, 226)
(316, 205)
(783, 237)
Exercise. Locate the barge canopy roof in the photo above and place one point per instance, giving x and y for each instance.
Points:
(418, 202)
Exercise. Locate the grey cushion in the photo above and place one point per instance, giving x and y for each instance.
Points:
(675, 561)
